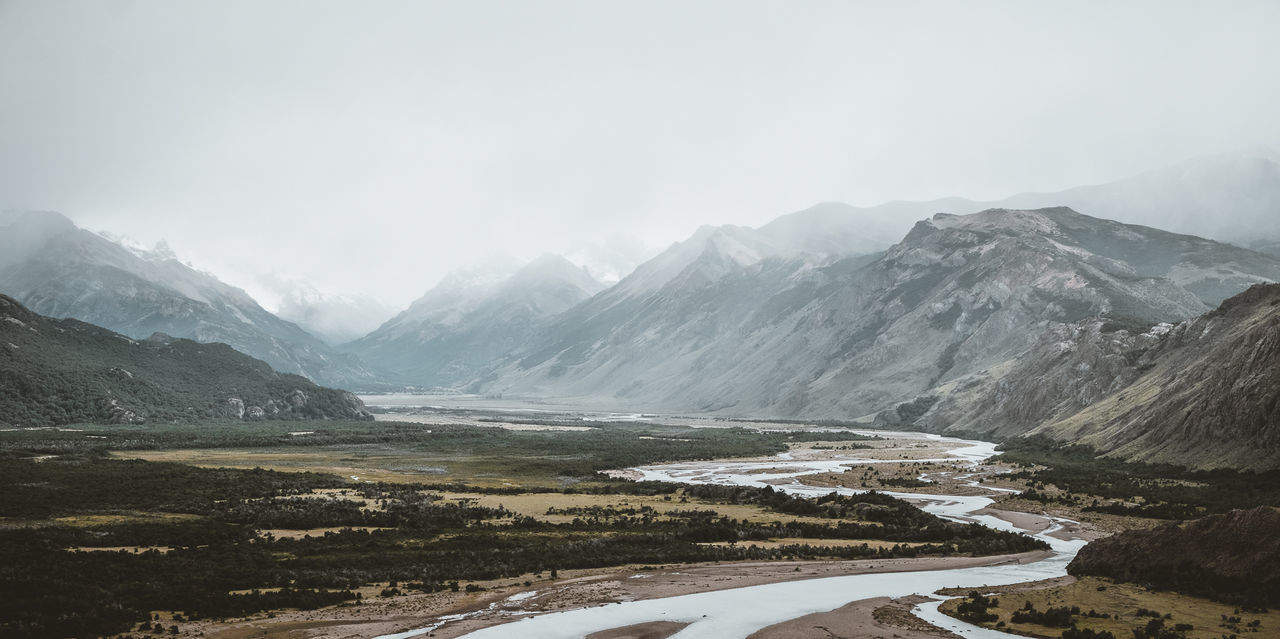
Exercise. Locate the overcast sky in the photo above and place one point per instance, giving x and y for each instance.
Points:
(373, 146)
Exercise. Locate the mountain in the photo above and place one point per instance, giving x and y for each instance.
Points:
(1204, 392)
(60, 270)
(1208, 394)
(468, 321)
(1233, 197)
(334, 318)
(726, 322)
(64, 371)
(1233, 557)
(1230, 197)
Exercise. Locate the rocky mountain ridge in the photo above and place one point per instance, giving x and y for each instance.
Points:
(1203, 392)
(733, 331)
(60, 270)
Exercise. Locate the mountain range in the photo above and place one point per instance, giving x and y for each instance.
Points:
(458, 328)
(55, 268)
(993, 320)
(737, 330)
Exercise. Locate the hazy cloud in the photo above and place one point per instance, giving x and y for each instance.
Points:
(370, 147)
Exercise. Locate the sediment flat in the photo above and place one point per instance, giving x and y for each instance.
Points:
(575, 589)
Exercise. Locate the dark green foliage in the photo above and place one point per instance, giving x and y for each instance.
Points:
(1086, 633)
(55, 372)
(910, 411)
(1232, 557)
(1056, 617)
(974, 608)
(1166, 491)
(56, 487)
(574, 454)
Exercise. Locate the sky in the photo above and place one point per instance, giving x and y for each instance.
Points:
(372, 147)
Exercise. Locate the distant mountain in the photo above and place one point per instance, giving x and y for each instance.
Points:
(728, 322)
(1233, 557)
(66, 371)
(57, 269)
(334, 318)
(471, 320)
(1230, 197)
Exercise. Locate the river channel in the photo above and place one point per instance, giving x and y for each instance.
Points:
(738, 612)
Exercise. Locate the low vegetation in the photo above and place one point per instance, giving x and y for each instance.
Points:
(1076, 476)
(1095, 608)
(224, 542)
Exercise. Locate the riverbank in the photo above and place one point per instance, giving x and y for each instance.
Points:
(573, 590)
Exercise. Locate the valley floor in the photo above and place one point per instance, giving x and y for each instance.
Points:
(507, 600)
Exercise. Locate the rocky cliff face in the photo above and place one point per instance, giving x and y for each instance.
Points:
(1233, 557)
(62, 371)
(57, 269)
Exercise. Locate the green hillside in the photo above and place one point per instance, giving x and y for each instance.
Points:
(55, 372)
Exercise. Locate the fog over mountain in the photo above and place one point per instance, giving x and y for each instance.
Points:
(417, 138)
(727, 323)
(57, 269)
(639, 318)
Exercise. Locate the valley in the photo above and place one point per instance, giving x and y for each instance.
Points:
(325, 498)
(639, 320)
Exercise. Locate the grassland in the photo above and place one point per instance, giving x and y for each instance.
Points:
(209, 522)
(1119, 608)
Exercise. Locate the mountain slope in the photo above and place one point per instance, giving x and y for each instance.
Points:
(460, 327)
(1209, 393)
(57, 269)
(721, 325)
(66, 371)
(1234, 557)
(1203, 393)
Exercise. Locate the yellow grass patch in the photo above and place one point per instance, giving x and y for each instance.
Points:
(134, 517)
(129, 549)
(818, 543)
(1123, 600)
(288, 533)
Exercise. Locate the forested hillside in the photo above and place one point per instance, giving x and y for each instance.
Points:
(66, 371)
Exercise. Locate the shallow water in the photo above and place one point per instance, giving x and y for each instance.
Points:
(739, 612)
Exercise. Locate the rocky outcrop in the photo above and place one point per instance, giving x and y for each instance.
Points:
(1234, 557)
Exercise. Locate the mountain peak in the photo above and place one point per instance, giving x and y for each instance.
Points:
(552, 268)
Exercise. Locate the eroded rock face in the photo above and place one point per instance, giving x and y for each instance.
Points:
(121, 415)
(297, 399)
(255, 413)
(358, 410)
(237, 407)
